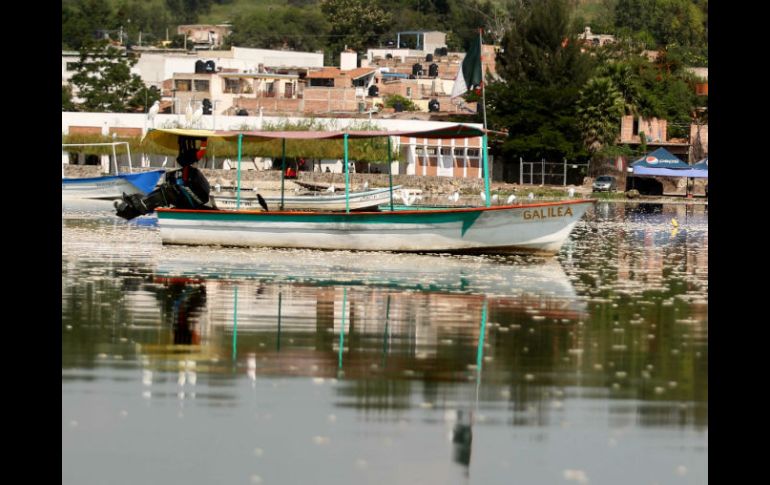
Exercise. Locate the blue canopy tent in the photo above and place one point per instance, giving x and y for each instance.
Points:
(703, 167)
(662, 163)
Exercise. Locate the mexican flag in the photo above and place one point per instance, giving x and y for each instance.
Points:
(470, 71)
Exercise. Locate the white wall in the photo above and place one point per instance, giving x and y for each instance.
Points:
(275, 58)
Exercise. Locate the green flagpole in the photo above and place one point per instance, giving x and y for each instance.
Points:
(390, 176)
(485, 158)
(347, 175)
(238, 191)
(486, 169)
(283, 168)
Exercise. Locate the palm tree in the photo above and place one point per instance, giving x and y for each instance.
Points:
(622, 76)
(599, 110)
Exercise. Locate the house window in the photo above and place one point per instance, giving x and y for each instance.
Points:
(431, 151)
(636, 127)
(182, 84)
(408, 92)
(459, 152)
(446, 151)
(201, 85)
(473, 152)
(232, 86)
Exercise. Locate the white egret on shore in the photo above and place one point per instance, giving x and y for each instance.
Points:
(408, 199)
(154, 109)
(531, 196)
(511, 198)
(188, 114)
(330, 188)
(495, 197)
(197, 115)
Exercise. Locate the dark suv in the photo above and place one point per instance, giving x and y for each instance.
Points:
(605, 182)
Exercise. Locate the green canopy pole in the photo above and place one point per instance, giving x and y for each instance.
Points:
(235, 323)
(347, 175)
(486, 169)
(390, 176)
(342, 325)
(278, 342)
(283, 168)
(238, 191)
(480, 348)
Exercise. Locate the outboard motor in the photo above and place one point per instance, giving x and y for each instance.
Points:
(184, 188)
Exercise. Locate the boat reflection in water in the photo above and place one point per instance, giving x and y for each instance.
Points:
(417, 318)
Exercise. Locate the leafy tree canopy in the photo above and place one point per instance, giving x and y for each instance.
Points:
(105, 82)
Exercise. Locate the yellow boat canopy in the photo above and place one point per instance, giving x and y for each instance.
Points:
(167, 137)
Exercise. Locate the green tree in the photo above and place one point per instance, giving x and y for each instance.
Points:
(356, 24)
(66, 99)
(104, 80)
(137, 16)
(279, 27)
(541, 48)
(188, 11)
(599, 110)
(406, 103)
(81, 19)
(626, 82)
(543, 70)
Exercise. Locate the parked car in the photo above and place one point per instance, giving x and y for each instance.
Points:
(605, 182)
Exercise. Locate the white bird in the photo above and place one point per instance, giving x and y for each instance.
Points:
(366, 185)
(511, 198)
(330, 188)
(165, 161)
(495, 197)
(188, 114)
(483, 196)
(197, 115)
(154, 109)
(408, 200)
(454, 197)
(531, 196)
(571, 191)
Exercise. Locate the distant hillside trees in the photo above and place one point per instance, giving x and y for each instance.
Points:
(356, 24)
(302, 29)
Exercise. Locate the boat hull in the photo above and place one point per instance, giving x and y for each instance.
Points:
(531, 228)
(110, 186)
(327, 202)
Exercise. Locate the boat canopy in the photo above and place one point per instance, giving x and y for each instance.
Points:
(167, 137)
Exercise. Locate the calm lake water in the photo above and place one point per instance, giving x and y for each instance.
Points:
(217, 365)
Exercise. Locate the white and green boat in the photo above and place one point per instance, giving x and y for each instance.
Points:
(529, 228)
